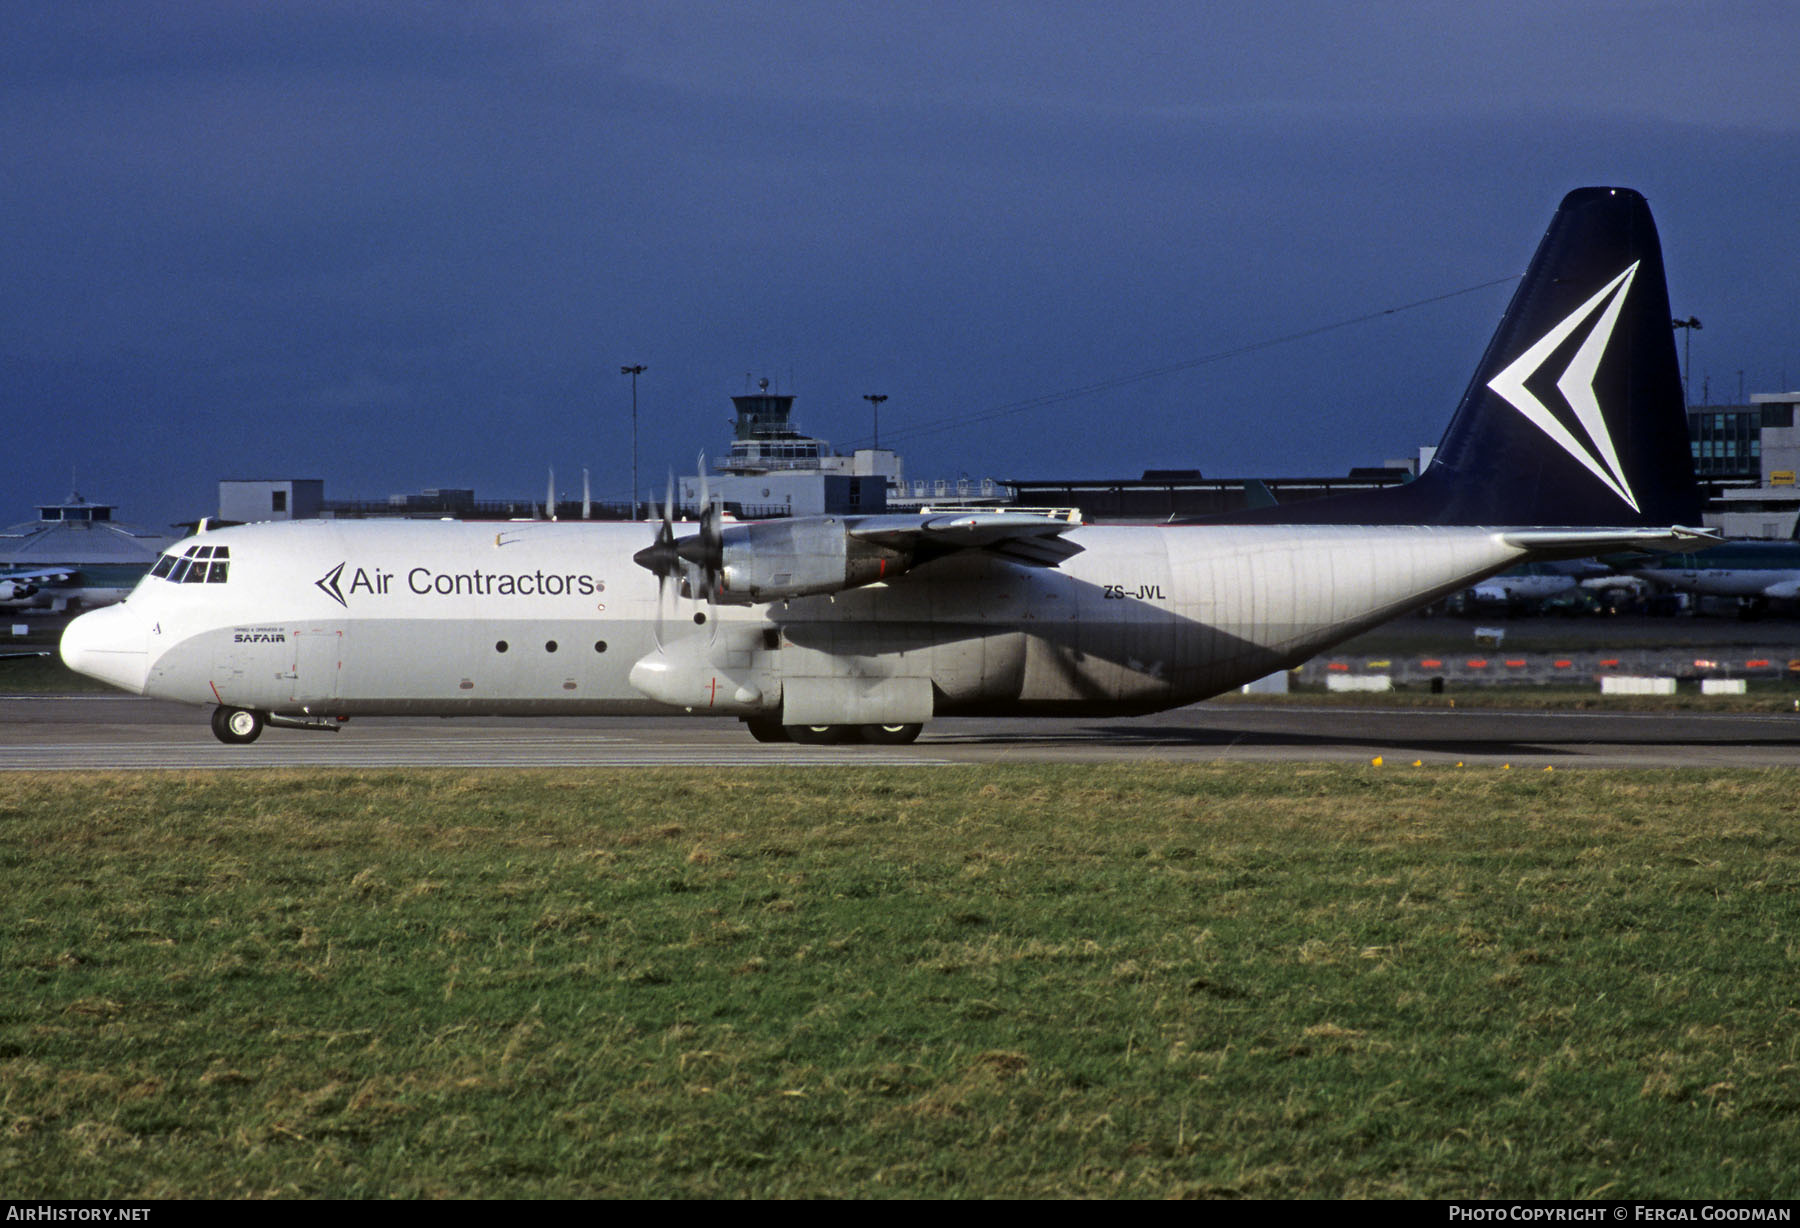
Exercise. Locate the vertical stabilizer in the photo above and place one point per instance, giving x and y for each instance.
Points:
(1575, 416)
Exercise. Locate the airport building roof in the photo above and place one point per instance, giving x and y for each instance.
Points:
(78, 533)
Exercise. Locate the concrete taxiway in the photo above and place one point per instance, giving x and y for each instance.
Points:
(110, 733)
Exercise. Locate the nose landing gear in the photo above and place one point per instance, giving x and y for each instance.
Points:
(237, 726)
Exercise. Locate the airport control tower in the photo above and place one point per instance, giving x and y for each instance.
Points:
(765, 439)
(775, 469)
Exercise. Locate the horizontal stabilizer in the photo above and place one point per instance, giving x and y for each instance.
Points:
(1580, 543)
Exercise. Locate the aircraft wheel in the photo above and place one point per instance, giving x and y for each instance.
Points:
(766, 729)
(236, 726)
(819, 735)
(891, 735)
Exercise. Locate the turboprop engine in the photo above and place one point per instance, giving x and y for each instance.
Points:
(772, 560)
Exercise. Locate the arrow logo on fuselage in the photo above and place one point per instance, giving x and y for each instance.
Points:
(328, 584)
(1576, 385)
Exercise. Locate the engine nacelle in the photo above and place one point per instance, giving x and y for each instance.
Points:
(704, 675)
(775, 559)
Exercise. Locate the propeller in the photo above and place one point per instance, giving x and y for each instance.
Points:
(705, 550)
(695, 563)
(661, 558)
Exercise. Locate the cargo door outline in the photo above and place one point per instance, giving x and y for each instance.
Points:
(318, 664)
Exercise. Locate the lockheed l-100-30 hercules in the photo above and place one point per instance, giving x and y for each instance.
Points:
(1571, 440)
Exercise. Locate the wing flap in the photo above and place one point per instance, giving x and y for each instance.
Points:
(1034, 540)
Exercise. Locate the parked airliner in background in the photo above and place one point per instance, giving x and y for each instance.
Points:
(1755, 572)
(1524, 587)
(23, 589)
(60, 588)
(1571, 440)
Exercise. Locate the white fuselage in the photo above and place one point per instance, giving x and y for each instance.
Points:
(1509, 589)
(1778, 583)
(346, 618)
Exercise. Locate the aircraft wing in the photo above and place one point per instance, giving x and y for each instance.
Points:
(1023, 537)
(25, 583)
(1579, 543)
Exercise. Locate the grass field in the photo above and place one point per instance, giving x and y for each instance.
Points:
(1034, 981)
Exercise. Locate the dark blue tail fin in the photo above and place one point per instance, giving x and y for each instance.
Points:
(1575, 415)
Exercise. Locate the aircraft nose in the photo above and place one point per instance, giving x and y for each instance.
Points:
(108, 644)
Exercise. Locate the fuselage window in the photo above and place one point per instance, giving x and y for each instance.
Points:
(500, 646)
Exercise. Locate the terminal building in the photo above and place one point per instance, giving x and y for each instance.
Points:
(1746, 458)
(246, 500)
(772, 469)
(103, 558)
(1162, 495)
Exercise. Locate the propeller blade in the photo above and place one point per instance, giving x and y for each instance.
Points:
(712, 553)
(661, 557)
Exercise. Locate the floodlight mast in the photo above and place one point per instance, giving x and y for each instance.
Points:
(876, 399)
(1687, 357)
(633, 372)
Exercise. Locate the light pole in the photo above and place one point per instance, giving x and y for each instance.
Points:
(876, 400)
(633, 372)
(1687, 361)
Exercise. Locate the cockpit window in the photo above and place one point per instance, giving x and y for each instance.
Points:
(195, 565)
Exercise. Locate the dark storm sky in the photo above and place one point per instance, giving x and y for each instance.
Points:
(413, 248)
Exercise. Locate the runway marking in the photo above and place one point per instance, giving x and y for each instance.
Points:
(186, 756)
(135, 736)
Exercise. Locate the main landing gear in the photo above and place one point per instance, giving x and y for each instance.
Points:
(766, 729)
(237, 726)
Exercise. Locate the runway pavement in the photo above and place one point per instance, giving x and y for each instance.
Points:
(104, 732)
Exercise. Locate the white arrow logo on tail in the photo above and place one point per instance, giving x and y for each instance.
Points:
(1576, 385)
